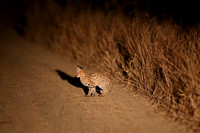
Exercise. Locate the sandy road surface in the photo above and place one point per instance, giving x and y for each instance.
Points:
(38, 94)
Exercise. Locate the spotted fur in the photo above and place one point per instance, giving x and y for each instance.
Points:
(93, 80)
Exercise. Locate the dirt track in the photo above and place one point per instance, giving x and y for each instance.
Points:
(39, 94)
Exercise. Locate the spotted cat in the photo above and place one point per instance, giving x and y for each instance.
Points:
(93, 80)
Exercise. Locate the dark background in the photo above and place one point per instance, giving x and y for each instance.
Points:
(182, 12)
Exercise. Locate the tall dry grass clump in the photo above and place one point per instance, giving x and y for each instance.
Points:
(158, 59)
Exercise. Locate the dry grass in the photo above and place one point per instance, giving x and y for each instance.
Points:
(160, 60)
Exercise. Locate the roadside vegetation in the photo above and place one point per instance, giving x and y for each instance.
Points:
(158, 59)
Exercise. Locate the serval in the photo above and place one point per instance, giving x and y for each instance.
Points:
(93, 80)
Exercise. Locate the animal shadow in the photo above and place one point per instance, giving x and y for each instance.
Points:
(72, 80)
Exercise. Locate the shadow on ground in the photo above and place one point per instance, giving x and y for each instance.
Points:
(75, 82)
(72, 80)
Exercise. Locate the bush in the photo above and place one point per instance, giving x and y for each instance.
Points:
(158, 59)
